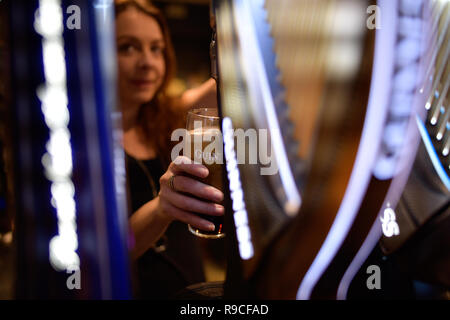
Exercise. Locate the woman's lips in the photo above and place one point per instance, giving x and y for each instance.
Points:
(143, 83)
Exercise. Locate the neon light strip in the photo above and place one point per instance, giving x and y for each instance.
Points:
(375, 232)
(392, 198)
(103, 5)
(432, 153)
(367, 151)
(240, 215)
(247, 37)
(57, 160)
(393, 195)
(357, 262)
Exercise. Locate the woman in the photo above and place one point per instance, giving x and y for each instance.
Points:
(162, 196)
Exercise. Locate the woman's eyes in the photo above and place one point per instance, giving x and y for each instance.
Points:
(157, 49)
(129, 48)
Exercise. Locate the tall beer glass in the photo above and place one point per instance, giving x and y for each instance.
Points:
(204, 145)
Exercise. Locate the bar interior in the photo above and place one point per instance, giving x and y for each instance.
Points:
(225, 149)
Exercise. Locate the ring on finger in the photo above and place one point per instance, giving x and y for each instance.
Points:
(171, 185)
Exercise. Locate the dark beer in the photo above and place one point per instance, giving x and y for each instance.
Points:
(204, 145)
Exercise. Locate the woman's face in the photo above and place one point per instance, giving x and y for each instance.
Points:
(141, 46)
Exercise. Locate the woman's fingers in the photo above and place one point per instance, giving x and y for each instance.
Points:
(197, 188)
(181, 202)
(187, 217)
(191, 204)
(181, 183)
(185, 165)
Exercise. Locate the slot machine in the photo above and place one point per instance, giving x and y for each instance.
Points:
(422, 240)
(343, 109)
(71, 214)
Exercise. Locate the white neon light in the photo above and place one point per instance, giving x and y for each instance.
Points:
(389, 224)
(54, 63)
(393, 195)
(240, 214)
(367, 151)
(51, 98)
(247, 38)
(57, 161)
(361, 256)
(47, 19)
(103, 5)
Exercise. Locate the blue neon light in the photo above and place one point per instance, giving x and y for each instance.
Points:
(433, 154)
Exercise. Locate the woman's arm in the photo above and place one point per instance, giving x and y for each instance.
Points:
(203, 96)
(148, 224)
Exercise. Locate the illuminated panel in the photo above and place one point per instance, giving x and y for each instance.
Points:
(240, 215)
(367, 152)
(57, 161)
(266, 200)
(386, 223)
(256, 74)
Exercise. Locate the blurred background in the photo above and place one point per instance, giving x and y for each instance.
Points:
(191, 34)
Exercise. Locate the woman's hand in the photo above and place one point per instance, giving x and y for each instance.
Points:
(182, 202)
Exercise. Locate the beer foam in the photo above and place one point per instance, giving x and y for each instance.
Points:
(204, 131)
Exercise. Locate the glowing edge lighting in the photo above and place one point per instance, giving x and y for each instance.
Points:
(361, 256)
(57, 160)
(432, 153)
(103, 5)
(376, 231)
(240, 214)
(247, 38)
(367, 151)
(391, 200)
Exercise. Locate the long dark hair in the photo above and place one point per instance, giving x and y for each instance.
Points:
(159, 117)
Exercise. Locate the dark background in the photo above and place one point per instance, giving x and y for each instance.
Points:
(191, 34)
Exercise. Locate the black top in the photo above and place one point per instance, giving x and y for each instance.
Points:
(176, 261)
